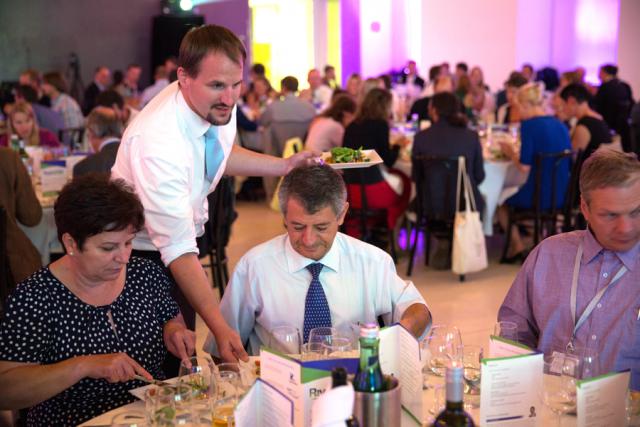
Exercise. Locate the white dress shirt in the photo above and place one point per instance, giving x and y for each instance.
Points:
(162, 156)
(269, 287)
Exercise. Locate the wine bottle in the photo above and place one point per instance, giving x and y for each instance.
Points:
(453, 414)
(339, 378)
(369, 377)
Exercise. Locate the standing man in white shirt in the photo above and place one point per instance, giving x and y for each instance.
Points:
(313, 276)
(174, 155)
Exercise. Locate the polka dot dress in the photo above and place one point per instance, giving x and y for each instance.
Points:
(45, 323)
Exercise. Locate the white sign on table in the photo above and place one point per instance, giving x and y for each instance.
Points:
(400, 357)
(502, 347)
(510, 391)
(264, 406)
(602, 400)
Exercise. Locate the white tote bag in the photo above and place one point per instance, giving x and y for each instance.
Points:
(469, 250)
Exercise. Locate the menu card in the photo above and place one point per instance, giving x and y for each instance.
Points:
(502, 347)
(400, 357)
(53, 176)
(302, 382)
(602, 400)
(510, 391)
(264, 406)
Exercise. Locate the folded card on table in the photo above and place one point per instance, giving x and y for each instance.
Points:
(264, 406)
(602, 400)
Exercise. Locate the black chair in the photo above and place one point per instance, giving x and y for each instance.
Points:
(213, 242)
(372, 223)
(72, 137)
(543, 219)
(6, 278)
(436, 179)
(572, 216)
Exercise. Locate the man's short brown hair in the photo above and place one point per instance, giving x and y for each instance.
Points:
(200, 41)
(608, 168)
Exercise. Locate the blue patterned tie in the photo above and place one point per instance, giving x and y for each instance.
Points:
(213, 153)
(316, 307)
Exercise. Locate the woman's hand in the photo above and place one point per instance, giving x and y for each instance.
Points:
(180, 341)
(113, 367)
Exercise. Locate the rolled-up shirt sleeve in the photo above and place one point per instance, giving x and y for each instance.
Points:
(164, 187)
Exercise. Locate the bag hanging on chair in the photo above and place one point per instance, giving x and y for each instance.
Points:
(469, 252)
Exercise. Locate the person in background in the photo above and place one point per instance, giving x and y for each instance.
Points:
(327, 129)
(47, 118)
(591, 131)
(23, 123)
(329, 77)
(104, 130)
(313, 275)
(367, 85)
(100, 83)
(354, 83)
(508, 113)
(462, 69)
(171, 68)
(614, 101)
(434, 72)
(112, 99)
(258, 98)
(540, 133)
(21, 205)
(370, 130)
(442, 84)
(97, 317)
(31, 77)
(410, 76)
(604, 256)
(55, 87)
(634, 121)
(449, 136)
(117, 81)
(130, 90)
(528, 72)
(161, 80)
(479, 99)
(317, 93)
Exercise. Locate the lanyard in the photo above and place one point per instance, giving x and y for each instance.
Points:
(592, 304)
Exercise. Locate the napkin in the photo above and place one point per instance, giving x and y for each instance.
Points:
(333, 408)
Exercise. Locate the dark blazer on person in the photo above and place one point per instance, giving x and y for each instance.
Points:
(421, 108)
(102, 161)
(445, 140)
(19, 200)
(418, 81)
(614, 102)
(90, 95)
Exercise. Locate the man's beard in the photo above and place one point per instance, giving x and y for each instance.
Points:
(216, 122)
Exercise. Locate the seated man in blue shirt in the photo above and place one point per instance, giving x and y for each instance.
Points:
(313, 276)
(579, 290)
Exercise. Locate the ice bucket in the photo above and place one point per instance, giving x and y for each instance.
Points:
(380, 409)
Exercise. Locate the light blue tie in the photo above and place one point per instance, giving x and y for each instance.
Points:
(316, 307)
(213, 153)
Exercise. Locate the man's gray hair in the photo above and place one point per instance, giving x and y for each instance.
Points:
(608, 168)
(315, 187)
(103, 122)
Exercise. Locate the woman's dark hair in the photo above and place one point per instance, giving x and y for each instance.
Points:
(577, 91)
(339, 105)
(375, 106)
(55, 79)
(447, 105)
(92, 204)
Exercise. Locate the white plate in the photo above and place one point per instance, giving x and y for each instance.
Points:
(250, 365)
(374, 159)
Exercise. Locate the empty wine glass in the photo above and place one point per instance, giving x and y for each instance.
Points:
(471, 361)
(445, 346)
(322, 334)
(285, 339)
(312, 351)
(338, 347)
(556, 393)
(506, 329)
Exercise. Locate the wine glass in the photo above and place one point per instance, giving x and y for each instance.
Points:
(506, 329)
(444, 345)
(285, 339)
(471, 361)
(196, 385)
(556, 395)
(312, 351)
(322, 334)
(338, 347)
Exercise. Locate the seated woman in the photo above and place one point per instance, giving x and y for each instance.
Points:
(539, 134)
(370, 130)
(327, 129)
(22, 122)
(76, 332)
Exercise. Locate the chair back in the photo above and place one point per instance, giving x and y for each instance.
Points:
(556, 160)
(72, 137)
(436, 179)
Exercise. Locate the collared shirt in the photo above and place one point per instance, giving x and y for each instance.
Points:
(162, 156)
(539, 301)
(107, 142)
(70, 110)
(269, 287)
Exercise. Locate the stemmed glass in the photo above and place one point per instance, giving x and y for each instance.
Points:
(556, 390)
(471, 360)
(337, 348)
(322, 334)
(445, 345)
(196, 386)
(285, 339)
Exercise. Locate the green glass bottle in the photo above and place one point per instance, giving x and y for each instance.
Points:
(454, 414)
(369, 377)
